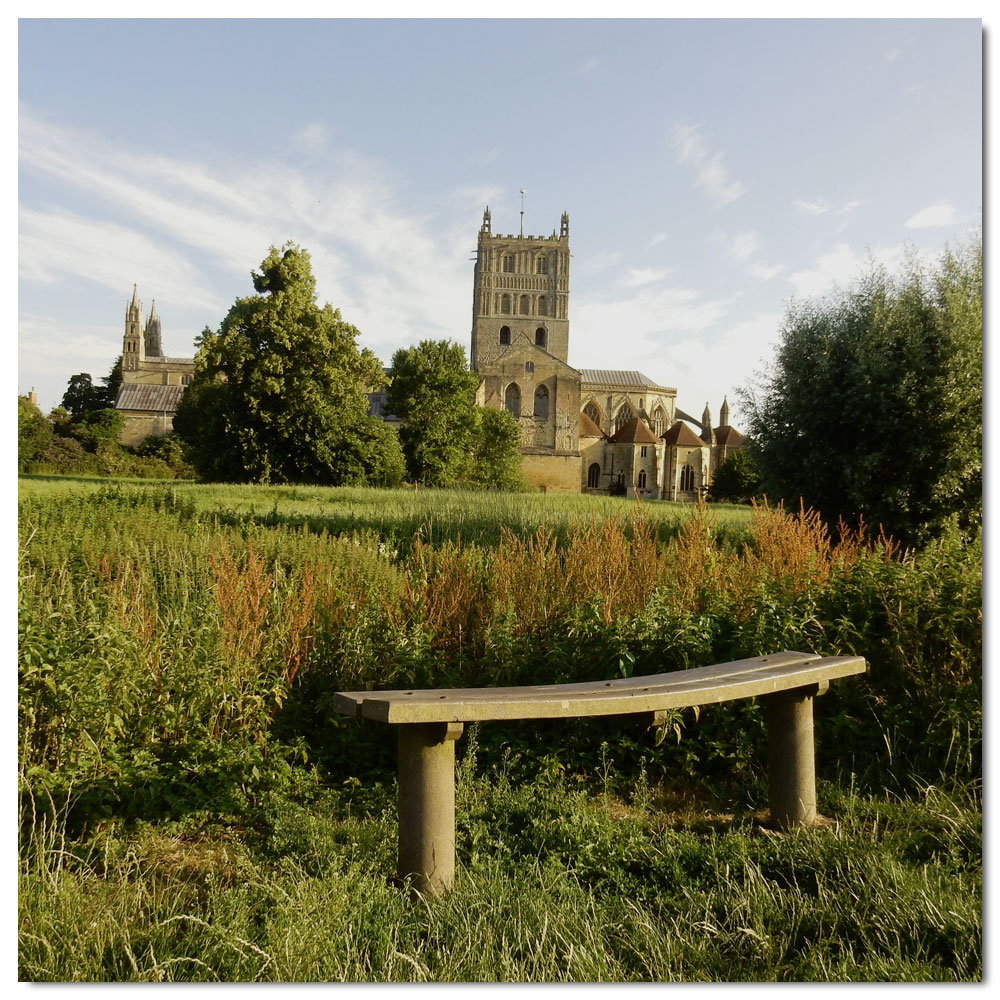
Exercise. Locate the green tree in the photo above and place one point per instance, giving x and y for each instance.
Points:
(112, 383)
(278, 393)
(82, 396)
(433, 393)
(737, 480)
(34, 432)
(874, 404)
(497, 451)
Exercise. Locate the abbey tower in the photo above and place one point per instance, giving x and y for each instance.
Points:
(520, 343)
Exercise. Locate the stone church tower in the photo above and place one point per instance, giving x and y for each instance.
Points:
(520, 343)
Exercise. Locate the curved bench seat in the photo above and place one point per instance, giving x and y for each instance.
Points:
(428, 722)
(720, 682)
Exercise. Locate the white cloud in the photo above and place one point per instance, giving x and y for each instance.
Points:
(710, 174)
(941, 214)
(657, 238)
(818, 207)
(638, 276)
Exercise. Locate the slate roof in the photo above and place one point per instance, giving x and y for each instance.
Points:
(680, 435)
(634, 432)
(625, 379)
(139, 396)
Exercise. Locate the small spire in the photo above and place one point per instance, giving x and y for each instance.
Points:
(564, 226)
(724, 413)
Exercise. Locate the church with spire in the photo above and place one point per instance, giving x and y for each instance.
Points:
(591, 430)
(152, 384)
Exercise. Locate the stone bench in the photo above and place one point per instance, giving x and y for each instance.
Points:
(428, 722)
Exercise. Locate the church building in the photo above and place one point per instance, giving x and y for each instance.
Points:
(582, 430)
(152, 384)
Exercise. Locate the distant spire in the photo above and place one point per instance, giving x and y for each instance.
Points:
(135, 296)
(564, 226)
(151, 335)
(706, 425)
(724, 413)
(486, 220)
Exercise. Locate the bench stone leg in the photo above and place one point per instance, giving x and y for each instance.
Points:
(427, 806)
(792, 757)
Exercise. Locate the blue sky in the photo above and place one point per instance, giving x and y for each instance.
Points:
(712, 171)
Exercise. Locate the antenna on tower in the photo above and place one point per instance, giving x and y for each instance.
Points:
(523, 192)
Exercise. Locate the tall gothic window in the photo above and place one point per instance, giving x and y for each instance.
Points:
(512, 399)
(659, 421)
(540, 337)
(504, 335)
(641, 482)
(687, 479)
(593, 412)
(505, 303)
(542, 403)
(508, 264)
(594, 476)
(542, 306)
(525, 305)
(541, 265)
(623, 416)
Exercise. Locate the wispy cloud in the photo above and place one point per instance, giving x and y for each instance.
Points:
(588, 67)
(941, 214)
(710, 173)
(818, 207)
(226, 214)
(656, 239)
(638, 276)
(312, 138)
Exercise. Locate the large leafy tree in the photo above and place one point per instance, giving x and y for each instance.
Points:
(497, 451)
(433, 393)
(874, 404)
(737, 480)
(82, 396)
(278, 393)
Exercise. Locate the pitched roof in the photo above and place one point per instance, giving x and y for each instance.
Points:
(610, 376)
(728, 436)
(139, 396)
(680, 435)
(634, 432)
(588, 429)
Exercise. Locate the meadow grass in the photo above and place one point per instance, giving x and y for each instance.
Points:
(193, 810)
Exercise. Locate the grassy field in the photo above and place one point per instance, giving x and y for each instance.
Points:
(193, 810)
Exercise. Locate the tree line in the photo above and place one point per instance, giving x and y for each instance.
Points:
(872, 408)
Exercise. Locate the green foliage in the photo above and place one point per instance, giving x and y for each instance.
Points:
(737, 480)
(278, 393)
(82, 396)
(169, 450)
(433, 393)
(113, 382)
(497, 454)
(874, 405)
(34, 433)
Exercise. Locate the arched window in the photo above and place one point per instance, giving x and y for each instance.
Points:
(529, 367)
(508, 264)
(512, 399)
(542, 403)
(659, 421)
(543, 306)
(540, 337)
(594, 476)
(541, 265)
(185, 380)
(525, 305)
(687, 479)
(641, 482)
(504, 335)
(593, 412)
(623, 416)
(505, 303)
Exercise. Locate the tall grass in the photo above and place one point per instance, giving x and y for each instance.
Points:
(193, 809)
